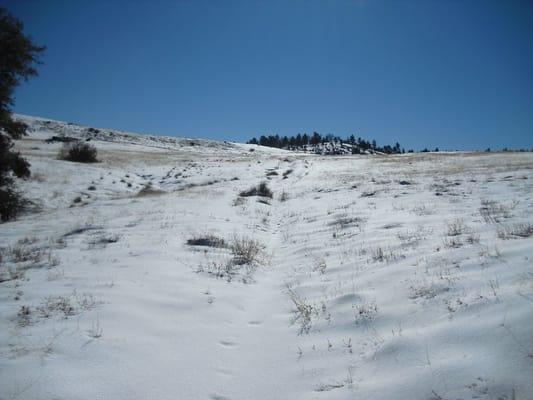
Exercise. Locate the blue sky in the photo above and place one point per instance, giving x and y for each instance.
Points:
(452, 74)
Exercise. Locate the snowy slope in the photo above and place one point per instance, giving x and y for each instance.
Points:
(42, 128)
(406, 277)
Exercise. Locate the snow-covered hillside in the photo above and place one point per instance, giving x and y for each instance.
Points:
(148, 275)
(42, 128)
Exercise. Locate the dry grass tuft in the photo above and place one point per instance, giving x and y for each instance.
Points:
(516, 231)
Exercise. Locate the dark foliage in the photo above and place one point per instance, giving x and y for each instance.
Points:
(303, 141)
(287, 173)
(207, 240)
(11, 203)
(63, 139)
(78, 152)
(260, 190)
(18, 58)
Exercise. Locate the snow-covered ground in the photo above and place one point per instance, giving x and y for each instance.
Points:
(367, 277)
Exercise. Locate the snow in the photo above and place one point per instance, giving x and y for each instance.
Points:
(379, 277)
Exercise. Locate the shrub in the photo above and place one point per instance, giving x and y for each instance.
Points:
(207, 240)
(239, 201)
(102, 241)
(264, 190)
(12, 165)
(149, 190)
(368, 194)
(303, 311)
(66, 306)
(246, 254)
(245, 251)
(12, 203)
(287, 173)
(78, 152)
(248, 193)
(260, 190)
(23, 316)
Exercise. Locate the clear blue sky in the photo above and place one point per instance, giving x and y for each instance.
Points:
(452, 74)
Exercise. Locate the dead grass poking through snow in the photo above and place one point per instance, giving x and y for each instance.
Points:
(516, 231)
(381, 254)
(494, 212)
(412, 237)
(63, 306)
(246, 254)
(303, 311)
(24, 255)
(245, 250)
(456, 228)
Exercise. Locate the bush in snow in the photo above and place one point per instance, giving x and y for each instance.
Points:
(260, 190)
(78, 152)
(207, 240)
(245, 250)
(12, 202)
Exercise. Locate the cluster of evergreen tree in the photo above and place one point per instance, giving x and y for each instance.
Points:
(304, 140)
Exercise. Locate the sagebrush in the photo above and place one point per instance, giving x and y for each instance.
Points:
(78, 152)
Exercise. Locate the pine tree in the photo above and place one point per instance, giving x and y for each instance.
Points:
(316, 138)
(18, 59)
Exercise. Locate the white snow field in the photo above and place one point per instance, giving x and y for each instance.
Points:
(364, 277)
